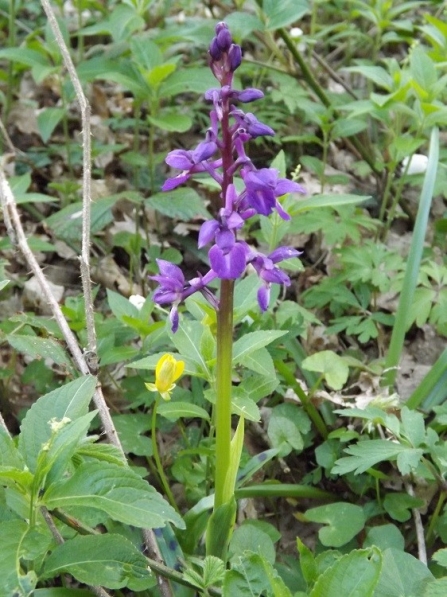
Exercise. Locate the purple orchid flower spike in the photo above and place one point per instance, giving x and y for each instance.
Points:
(222, 155)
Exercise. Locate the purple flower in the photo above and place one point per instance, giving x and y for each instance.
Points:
(263, 187)
(268, 272)
(250, 124)
(227, 259)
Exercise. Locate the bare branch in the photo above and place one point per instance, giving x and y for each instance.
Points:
(86, 177)
(422, 548)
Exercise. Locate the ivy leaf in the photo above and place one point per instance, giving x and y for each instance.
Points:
(109, 560)
(116, 490)
(399, 505)
(344, 522)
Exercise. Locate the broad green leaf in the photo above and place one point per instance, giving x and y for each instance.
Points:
(245, 300)
(366, 454)
(47, 121)
(39, 348)
(109, 560)
(402, 574)
(67, 223)
(347, 127)
(330, 365)
(245, 407)
(385, 536)
(131, 430)
(250, 537)
(376, 74)
(251, 576)
(54, 456)
(281, 14)
(399, 505)
(116, 490)
(219, 529)
(354, 575)
(70, 401)
(183, 204)
(261, 362)
(160, 73)
(437, 588)
(187, 341)
(252, 341)
(120, 305)
(242, 24)
(178, 410)
(236, 445)
(9, 454)
(288, 422)
(12, 535)
(344, 522)
(413, 427)
(440, 556)
(256, 387)
(173, 122)
(186, 80)
(146, 54)
(423, 69)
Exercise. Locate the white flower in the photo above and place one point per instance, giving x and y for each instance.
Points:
(296, 32)
(137, 301)
(416, 165)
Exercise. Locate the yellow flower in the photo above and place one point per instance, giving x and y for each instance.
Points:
(167, 371)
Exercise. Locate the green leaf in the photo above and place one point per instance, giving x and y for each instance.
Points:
(440, 556)
(61, 592)
(278, 15)
(399, 505)
(187, 340)
(366, 454)
(116, 490)
(437, 588)
(121, 306)
(186, 80)
(252, 341)
(47, 121)
(39, 348)
(251, 576)
(413, 426)
(12, 534)
(70, 401)
(219, 529)
(183, 204)
(245, 297)
(171, 121)
(67, 222)
(178, 410)
(385, 536)
(261, 362)
(287, 424)
(344, 522)
(250, 537)
(423, 69)
(330, 365)
(109, 560)
(402, 574)
(326, 200)
(353, 575)
(131, 430)
(307, 563)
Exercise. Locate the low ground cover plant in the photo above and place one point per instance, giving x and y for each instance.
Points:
(223, 330)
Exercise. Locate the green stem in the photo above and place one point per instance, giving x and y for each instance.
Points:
(156, 455)
(304, 398)
(223, 388)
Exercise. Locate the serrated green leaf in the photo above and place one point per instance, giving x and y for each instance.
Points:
(245, 407)
(187, 340)
(287, 424)
(252, 341)
(109, 560)
(116, 490)
(249, 537)
(366, 454)
(39, 348)
(131, 429)
(261, 362)
(70, 401)
(354, 575)
(344, 522)
(413, 426)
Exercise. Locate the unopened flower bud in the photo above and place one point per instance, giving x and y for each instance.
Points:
(234, 57)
